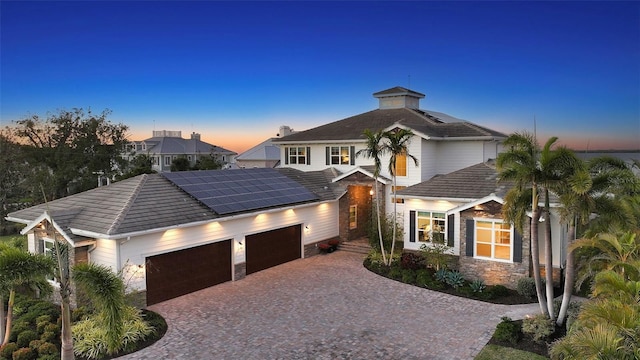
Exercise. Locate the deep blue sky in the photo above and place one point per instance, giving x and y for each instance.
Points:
(236, 71)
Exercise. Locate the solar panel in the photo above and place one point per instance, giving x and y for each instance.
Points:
(238, 190)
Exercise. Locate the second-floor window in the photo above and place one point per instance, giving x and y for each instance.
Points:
(340, 155)
(297, 155)
(401, 165)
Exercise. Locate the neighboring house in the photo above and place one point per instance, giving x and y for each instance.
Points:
(174, 233)
(165, 146)
(265, 154)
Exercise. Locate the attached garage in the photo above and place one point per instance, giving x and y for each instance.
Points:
(271, 248)
(184, 271)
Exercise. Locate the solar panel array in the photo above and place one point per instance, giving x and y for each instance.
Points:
(239, 190)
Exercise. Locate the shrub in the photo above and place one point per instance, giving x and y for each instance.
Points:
(49, 357)
(441, 275)
(454, 279)
(47, 348)
(408, 276)
(395, 273)
(526, 287)
(436, 255)
(411, 261)
(478, 286)
(89, 336)
(498, 291)
(48, 336)
(24, 354)
(508, 330)
(423, 278)
(34, 344)
(25, 337)
(540, 327)
(7, 350)
(16, 328)
(46, 318)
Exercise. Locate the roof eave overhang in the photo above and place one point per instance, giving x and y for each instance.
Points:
(327, 141)
(492, 197)
(381, 180)
(467, 138)
(435, 198)
(128, 235)
(32, 224)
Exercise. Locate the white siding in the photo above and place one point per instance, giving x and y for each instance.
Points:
(430, 205)
(321, 219)
(105, 253)
(428, 159)
(456, 155)
(318, 157)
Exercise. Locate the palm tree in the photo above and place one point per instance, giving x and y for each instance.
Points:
(397, 145)
(375, 150)
(519, 165)
(20, 268)
(589, 192)
(106, 290)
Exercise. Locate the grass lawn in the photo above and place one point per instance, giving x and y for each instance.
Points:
(494, 352)
(9, 238)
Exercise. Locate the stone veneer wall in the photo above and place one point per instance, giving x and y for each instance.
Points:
(492, 272)
(239, 271)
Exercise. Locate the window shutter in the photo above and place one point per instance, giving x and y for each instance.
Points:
(412, 226)
(450, 229)
(286, 155)
(328, 154)
(470, 240)
(517, 247)
(308, 155)
(352, 155)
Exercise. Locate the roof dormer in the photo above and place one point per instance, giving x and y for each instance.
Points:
(399, 97)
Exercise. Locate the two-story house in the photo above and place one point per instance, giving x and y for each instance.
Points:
(165, 146)
(175, 233)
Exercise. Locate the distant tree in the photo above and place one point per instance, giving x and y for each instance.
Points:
(207, 162)
(67, 149)
(140, 164)
(180, 164)
(13, 172)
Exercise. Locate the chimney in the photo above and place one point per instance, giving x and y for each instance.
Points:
(285, 130)
(195, 136)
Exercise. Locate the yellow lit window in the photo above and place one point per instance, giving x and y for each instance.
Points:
(401, 165)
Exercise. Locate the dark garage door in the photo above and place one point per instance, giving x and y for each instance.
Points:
(184, 271)
(271, 248)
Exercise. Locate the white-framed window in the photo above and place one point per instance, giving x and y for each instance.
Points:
(393, 191)
(353, 216)
(493, 240)
(340, 155)
(431, 227)
(49, 248)
(298, 155)
(167, 160)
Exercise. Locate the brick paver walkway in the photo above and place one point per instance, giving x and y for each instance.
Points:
(323, 307)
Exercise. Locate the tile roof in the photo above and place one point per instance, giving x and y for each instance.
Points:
(432, 124)
(318, 182)
(140, 203)
(398, 90)
(263, 151)
(474, 182)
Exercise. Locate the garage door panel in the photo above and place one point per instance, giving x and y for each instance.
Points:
(184, 271)
(271, 248)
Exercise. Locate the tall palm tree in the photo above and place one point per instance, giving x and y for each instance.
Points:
(560, 170)
(519, 165)
(375, 150)
(397, 145)
(20, 268)
(106, 290)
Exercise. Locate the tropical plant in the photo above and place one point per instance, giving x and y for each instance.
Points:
(106, 290)
(19, 269)
(436, 255)
(540, 327)
(397, 146)
(375, 150)
(519, 166)
(478, 286)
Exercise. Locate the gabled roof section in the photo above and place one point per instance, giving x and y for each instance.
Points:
(263, 151)
(367, 170)
(422, 121)
(468, 184)
(140, 203)
(318, 182)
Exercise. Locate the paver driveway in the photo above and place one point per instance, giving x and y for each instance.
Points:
(323, 307)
